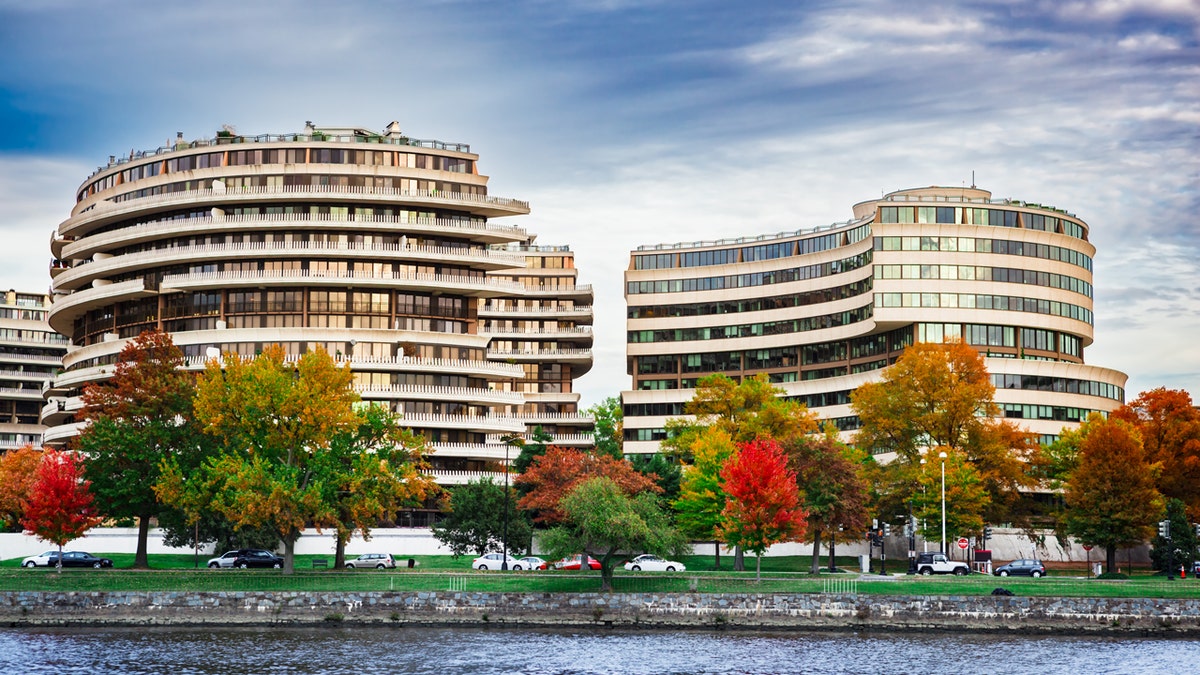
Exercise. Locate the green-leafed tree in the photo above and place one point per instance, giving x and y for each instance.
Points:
(1111, 496)
(605, 522)
(701, 492)
(141, 416)
(666, 470)
(474, 520)
(530, 449)
(609, 428)
(746, 411)
(966, 497)
(1182, 544)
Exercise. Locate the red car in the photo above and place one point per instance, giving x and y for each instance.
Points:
(573, 563)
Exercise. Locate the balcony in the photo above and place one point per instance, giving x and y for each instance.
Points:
(67, 307)
(537, 313)
(472, 395)
(530, 356)
(493, 423)
(452, 477)
(57, 436)
(428, 283)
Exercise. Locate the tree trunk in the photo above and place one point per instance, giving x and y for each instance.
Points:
(339, 551)
(717, 548)
(758, 568)
(289, 552)
(140, 559)
(1110, 559)
(832, 546)
(816, 554)
(58, 563)
(739, 559)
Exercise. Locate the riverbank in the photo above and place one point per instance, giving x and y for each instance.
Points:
(778, 611)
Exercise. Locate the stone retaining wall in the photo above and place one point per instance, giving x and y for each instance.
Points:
(648, 610)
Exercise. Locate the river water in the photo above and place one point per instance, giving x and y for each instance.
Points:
(483, 651)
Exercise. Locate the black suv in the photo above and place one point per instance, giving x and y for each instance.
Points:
(257, 558)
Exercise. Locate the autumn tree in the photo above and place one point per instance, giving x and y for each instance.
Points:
(601, 519)
(528, 449)
(369, 471)
(834, 491)
(940, 396)
(18, 472)
(474, 520)
(553, 475)
(141, 416)
(275, 421)
(1169, 425)
(608, 426)
(60, 505)
(966, 496)
(750, 410)
(1111, 496)
(763, 506)
(702, 496)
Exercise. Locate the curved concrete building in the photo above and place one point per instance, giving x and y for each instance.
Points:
(823, 311)
(380, 248)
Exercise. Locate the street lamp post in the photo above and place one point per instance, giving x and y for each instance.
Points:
(509, 441)
(942, 455)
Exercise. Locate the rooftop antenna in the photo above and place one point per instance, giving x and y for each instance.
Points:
(972, 179)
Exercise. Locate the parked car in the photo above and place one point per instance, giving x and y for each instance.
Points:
(69, 559)
(533, 563)
(573, 563)
(368, 560)
(937, 563)
(1025, 567)
(495, 561)
(653, 563)
(258, 558)
(225, 560)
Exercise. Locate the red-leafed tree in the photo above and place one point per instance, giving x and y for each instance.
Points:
(60, 505)
(557, 472)
(763, 505)
(18, 470)
(1169, 425)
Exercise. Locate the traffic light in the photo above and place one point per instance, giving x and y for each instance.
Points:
(887, 529)
(1196, 528)
(1164, 529)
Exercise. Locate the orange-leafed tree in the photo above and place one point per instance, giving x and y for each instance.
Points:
(139, 417)
(763, 505)
(553, 475)
(1111, 496)
(834, 490)
(60, 506)
(18, 471)
(1170, 429)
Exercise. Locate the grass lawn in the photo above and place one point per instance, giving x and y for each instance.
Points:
(443, 573)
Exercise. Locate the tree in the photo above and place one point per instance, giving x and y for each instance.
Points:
(601, 519)
(474, 520)
(830, 477)
(274, 421)
(1170, 429)
(940, 397)
(608, 428)
(1111, 496)
(140, 417)
(966, 496)
(369, 471)
(701, 492)
(746, 411)
(552, 476)
(18, 473)
(531, 448)
(666, 471)
(60, 506)
(763, 506)
(1182, 544)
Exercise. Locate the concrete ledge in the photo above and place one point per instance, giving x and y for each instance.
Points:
(647, 610)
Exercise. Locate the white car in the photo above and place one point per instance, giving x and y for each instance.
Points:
(378, 561)
(47, 559)
(532, 563)
(653, 563)
(495, 561)
(225, 560)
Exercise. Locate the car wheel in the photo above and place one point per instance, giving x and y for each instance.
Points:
(516, 568)
(31, 564)
(636, 568)
(277, 565)
(482, 567)
(670, 568)
(96, 565)
(960, 572)
(1036, 574)
(380, 566)
(925, 571)
(1003, 573)
(213, 566)
(244, 566)
(349, 566)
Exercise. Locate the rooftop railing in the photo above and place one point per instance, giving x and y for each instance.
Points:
(752, 240)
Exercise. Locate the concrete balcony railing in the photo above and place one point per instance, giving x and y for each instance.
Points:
(558, 439)
(436, 393)
(58, 435)
(452, 477)
(490, 451)
(557, 418)
(541, 332)
(539, 312)
(67, 307)
(405, 364)
(524, 355)
(43, 359)
(66, 248)
(82, 274)
(444, 283)
(111, 211)
(494, 423)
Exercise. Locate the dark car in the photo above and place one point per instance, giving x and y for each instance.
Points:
(258, 558)
(69, 559)
(1025, 567)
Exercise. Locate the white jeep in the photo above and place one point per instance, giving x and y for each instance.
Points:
(937, 563)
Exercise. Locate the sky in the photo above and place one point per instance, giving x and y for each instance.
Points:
(626, 123)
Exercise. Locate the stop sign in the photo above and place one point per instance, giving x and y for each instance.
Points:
(1087, 547)
(962, 543)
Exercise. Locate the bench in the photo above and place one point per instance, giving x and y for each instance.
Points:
(320, 562)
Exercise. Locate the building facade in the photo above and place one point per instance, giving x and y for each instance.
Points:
(821, 312)
(380, 248)
(30, 354)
